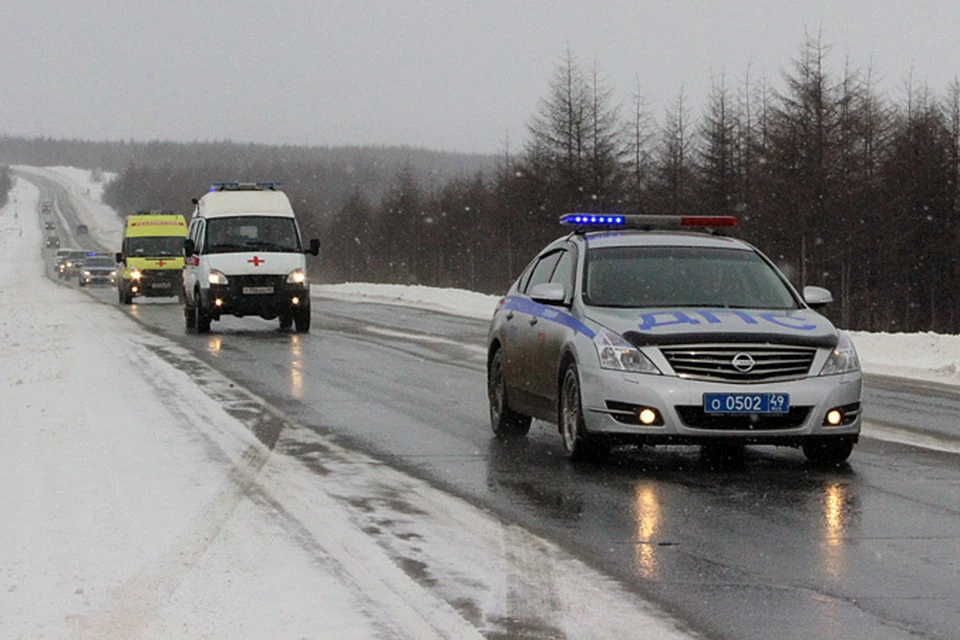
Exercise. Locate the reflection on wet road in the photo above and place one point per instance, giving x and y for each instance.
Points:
(759, 547)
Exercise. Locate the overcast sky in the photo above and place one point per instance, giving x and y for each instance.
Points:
(448, 74)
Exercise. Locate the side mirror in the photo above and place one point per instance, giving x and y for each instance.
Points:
(817, 297)
(549, 293)
(189, 247)
(120, 258)
(314, 247)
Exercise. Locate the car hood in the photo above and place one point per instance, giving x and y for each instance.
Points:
(647, 327)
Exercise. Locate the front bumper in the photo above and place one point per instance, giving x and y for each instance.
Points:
(231, 298)
(157, 283)
(99, 278)
(612, 399)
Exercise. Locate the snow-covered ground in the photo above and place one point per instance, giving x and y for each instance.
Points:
(136, 504)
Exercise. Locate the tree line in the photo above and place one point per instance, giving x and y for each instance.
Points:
(6, 184)
(841, 185)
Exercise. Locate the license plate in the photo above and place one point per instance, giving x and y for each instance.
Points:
(257, 290)
(160, 285)
(746, 402)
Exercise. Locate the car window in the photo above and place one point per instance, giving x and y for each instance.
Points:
(564, 272)
(683, 277)
(542, 270)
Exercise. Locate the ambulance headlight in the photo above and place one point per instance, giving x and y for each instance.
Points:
(616, 353)
(85, 272)
(134, 274)
(216, 277)
(297, 276)
(843, 358)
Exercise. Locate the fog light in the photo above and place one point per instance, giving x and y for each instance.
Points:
(834, 417)
(295, 300)
(218, 302)
(647, 416)
(133, 289)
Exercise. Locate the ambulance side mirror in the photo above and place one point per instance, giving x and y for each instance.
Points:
(120, 258)
(189, 247)
(314, 247)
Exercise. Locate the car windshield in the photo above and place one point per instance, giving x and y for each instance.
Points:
(150, 247)
(98, 262)
(657, 277)
(246, 233)
(77, 255)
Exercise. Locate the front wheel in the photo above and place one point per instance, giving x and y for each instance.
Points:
(202, 318)
(577, 443)
(827, 450)
(301, 317)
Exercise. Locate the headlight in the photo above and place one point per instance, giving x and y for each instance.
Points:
(134, 274)
(843, 359)
(617, 353)
(297, 276)
(69, 264)
(86, 273)
(216, 277)
(113, 273)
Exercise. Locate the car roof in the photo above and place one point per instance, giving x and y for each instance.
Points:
(638, 238)
(238, 203)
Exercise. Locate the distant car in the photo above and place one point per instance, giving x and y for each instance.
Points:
(82, 230)
(621, 334)
(73, 262)
(49, 226)
(97, 270)
(53, 242)
(60, 260)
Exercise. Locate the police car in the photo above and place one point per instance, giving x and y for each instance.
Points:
(642, 330)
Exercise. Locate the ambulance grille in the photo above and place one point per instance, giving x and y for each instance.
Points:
(771, 362)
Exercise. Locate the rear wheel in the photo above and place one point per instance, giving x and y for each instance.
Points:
(577, 443)
(828, 449)
(506, 422)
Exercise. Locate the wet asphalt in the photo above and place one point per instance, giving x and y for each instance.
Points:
(766, 546)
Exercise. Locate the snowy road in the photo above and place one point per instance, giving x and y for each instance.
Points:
(146, 495)
(771, 548)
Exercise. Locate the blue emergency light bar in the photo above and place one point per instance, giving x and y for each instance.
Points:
(587, 221)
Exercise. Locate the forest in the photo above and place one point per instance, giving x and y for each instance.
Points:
(842, 186)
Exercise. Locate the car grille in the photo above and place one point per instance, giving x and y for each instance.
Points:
(716, 361)
(695, 417)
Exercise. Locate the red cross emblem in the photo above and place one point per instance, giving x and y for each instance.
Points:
(256, 261)
(160, 263)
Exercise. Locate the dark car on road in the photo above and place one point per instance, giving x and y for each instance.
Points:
(97, 270)
(53, 242)
(72, 263)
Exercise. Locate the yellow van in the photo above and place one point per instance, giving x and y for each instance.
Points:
(151, 257)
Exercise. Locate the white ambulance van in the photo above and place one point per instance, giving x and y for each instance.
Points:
(244, 256)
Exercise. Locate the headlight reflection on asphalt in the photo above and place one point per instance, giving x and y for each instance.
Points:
(836, 522)
(646, 512)
(296, 367)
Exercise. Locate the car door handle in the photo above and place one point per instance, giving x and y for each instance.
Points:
(534, 321)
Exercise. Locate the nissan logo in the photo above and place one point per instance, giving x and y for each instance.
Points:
(743, 362)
